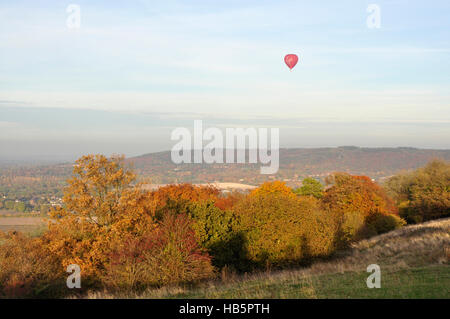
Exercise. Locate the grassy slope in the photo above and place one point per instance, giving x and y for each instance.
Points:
(414, 263)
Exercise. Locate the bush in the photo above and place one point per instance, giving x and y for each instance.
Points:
(27, 269)
(352, 228)
(280, 229)
(310, 187)
(227, 202)
(175, 199)
(218, 231)
(423, 194)
(321, 229)
(170, 254)
(358, 202)
(274, 189)
(380, 223)
(112, 230)
(349, 193)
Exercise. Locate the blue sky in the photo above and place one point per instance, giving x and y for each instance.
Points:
(136, 69)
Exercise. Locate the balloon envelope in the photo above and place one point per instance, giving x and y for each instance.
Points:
(291, 60)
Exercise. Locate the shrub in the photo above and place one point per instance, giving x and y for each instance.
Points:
(27, 269)
(352, 227)
(423, 194)
(358, 201)
(310, 187)
(275, 189)
(227, 202)
(321, 229)
(380, 223)
(170, 254)
(349, 193)
(177, 198)
(218, 231)
(110, 228)
(280, 229)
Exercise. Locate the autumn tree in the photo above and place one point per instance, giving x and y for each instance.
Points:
(348, 193)
(281, 229)
(103, 211)
(229, 200)
(177, 198)
(28, 268)
(168, 255)
(362, 207)
(423, 194)
(275, 188)
(96, 187)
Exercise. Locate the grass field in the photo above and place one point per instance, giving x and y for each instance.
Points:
(414, 263)
(424, 282)
(27, 224)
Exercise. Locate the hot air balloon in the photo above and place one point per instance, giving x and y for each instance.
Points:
(291, 60)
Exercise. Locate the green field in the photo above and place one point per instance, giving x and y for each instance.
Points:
(425, 282)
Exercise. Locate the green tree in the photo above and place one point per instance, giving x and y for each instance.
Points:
(19, 207)
(310, 187)
(9, 204)
(217, 232)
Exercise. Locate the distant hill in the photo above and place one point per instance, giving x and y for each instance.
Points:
(295, 164)
(34, 183)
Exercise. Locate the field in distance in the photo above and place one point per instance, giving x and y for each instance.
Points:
(32, 224)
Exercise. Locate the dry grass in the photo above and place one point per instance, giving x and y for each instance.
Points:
(412, 246)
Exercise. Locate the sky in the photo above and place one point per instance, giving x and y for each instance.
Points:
(134, 70)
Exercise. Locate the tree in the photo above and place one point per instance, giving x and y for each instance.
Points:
(176, 199)
(348, 193)
(97, 185)
(282, 229)
(19, 207)
(423, 194)
(275, 188)
(362, 207)
(218, 232)
(100, 208)
(310, 187)
(168, 255)
(9, 204)
(102, 212)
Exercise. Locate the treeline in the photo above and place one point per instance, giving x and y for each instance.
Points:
(126, 239)
(423, 194)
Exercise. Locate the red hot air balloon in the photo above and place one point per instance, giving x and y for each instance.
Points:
(291, 60)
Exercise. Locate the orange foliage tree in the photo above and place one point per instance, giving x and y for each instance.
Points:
(103, 211)
(176, 198)
(350, 193)
(275, 188)
(362, 207)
